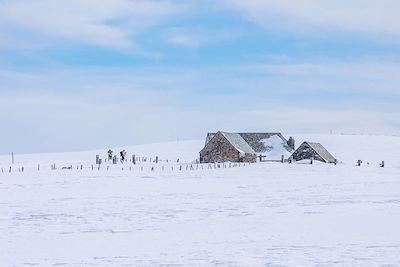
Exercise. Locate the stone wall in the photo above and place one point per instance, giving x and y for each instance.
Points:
(306, 152)
(220, 150)
(252, 158)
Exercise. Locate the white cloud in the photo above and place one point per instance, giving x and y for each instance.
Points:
(53, 120)
(362, 16)
(66, 109)
(329, 76)
(185, 40)
(104, 23)
(320, 120)
(196, 37)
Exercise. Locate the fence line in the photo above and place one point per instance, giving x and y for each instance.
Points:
(151, 167)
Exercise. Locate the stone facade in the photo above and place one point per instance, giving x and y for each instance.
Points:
(219, 149)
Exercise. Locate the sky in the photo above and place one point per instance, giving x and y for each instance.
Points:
(89, 74)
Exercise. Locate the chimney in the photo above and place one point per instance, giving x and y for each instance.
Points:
(291, 143)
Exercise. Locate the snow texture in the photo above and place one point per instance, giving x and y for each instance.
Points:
(264, 214)
(275, 147)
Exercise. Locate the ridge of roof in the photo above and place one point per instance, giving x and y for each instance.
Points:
(237, 141)
(321, 151)
(254, 139)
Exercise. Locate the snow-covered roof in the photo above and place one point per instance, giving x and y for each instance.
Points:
(274, 148)
(257, 141)
(322, 152)
(238, 142)
(209, 137)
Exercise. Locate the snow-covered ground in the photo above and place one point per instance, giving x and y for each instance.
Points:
(266, 214)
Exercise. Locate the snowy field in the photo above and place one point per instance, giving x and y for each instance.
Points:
(266, 214)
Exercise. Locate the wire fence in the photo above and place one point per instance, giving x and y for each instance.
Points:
(137, 165)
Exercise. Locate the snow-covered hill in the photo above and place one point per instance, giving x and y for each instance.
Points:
(185, 151)
(267, 214)
(346, 148)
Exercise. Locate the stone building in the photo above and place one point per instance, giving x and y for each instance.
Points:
(227, 147)
(257, 141)
(316, 151)
(266, 146)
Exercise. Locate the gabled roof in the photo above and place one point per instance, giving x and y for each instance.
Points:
(256, 140)
(322, 152)
(209, 137)
(238, 142)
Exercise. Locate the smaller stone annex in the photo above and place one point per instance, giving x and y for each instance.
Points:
(227, 147)
(308, 150)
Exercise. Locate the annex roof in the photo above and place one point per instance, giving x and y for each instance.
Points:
(322, 152)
